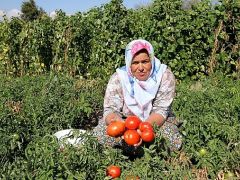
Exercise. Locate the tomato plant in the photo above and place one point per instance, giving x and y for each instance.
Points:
(132, 122)
(204, 130)
(147, 135)
(116, 128)
(131, 137)
(114, 171)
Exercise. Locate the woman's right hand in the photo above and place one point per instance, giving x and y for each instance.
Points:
(112, 117)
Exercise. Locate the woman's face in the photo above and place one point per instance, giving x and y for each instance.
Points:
(141, 66)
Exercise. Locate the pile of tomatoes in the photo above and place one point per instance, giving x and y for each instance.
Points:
(133, 130)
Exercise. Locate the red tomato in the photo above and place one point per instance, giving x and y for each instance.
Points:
(147, 135)
(116, 128)
(132, 122)
(131, 137)
(113, 171)
(144, 126)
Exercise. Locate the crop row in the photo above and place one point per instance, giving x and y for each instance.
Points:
(33, 108)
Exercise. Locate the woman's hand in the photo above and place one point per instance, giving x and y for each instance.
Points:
(155, 118)
(140, 142)
(112, 117)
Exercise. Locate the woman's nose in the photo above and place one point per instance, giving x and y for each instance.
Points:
(141, 68)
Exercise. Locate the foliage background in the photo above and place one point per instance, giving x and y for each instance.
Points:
(194, 42)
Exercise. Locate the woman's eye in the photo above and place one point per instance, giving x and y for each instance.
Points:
(145, 62)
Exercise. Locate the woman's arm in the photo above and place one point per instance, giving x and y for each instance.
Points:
(164, 98)
(113, 100)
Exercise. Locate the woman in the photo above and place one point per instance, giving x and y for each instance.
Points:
(143, 87)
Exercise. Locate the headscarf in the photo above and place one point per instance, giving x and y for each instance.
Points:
(138, 95)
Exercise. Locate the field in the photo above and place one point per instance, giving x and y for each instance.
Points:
(33, 108)
(53, 75)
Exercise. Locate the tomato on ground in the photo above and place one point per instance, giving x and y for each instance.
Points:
(116, 128)
(113, 171)
(131, 137)
(132, 122)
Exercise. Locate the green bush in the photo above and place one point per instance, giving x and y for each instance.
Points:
(210, 110)
(32, 107)
(194, 42)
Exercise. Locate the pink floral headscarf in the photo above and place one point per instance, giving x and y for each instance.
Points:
(133, 47)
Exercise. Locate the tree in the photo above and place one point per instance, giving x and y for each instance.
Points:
(30, 11)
